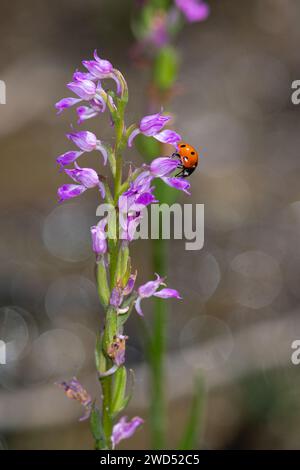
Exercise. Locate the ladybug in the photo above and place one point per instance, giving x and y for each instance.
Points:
(188, 159)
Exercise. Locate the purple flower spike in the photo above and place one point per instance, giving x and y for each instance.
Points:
(74, 390)
(69, 191)
(193, 10)
(163, 166)
(66, 103)
(150, 289)
(68, 157)
(98, 233)
(125, 429)
(85, 89)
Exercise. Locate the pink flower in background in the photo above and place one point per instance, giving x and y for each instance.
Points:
(193, 10)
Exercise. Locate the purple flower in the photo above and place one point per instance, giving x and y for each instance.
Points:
(162, 167)
(150, 289)
(85, 89)
(68, 157)
(68, 191)
(193, 10)
(74, 390)
(66, 103)
(87, 141)
(85, 177)
(98, 233)
(98, 68)
(152, 126)
(132, 202)
(125, 429)
(101, 68)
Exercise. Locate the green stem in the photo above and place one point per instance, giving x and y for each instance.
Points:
(107, 422)
(157, 353)
(111, 326)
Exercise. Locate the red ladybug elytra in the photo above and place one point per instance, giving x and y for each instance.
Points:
(188, 159)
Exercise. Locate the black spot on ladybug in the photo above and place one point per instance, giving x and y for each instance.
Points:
(182, 145)
(192, 153)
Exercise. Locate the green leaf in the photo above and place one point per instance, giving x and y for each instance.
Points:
(190, 439)
(165, 68)
(148, 146)
(96, 427)
(119, 390)
(99, 356)
(102, 284)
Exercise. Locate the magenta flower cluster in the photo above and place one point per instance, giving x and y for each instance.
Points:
(116, 282)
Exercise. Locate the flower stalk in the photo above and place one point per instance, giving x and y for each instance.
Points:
(112, 236)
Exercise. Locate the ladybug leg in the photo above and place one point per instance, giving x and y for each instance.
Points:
(175, 155)
(180, 173)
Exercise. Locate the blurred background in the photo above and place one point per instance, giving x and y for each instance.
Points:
(240, 312)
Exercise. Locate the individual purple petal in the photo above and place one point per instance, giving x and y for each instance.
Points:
(68, 191)
(85, 112)
(148, 289)
(102, 149)
(77, 76)
(163, 166)
(138, 306)
(124, 429)
(143, 201)
(66, 103)
(86, 176)
(132, 136)
(177, 183)
(194, 10)
(68, 157)
(168, 137)
(85, 89)
(133, 224)
(98, 233)
(85, 140)
(167, 293)
(152, 124)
